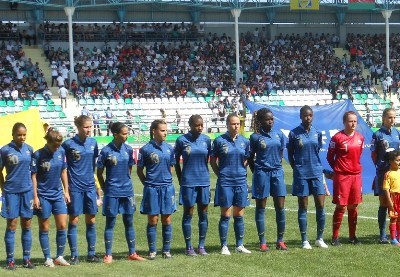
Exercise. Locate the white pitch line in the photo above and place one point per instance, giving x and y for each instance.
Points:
(293, 210)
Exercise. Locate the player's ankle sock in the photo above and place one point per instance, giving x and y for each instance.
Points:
(238, 226)
(130, 234)
(61, 239)
(223, 229)
(398, 230)
(352, 220)
(280, 223)
(73, 239)
(9, 240)
(187, 230)
(260, 224)
(91, 237)
(167, 237)
(109, 234)
(382, 211)
(203, 226)
(44, 243)
(26, 239)
(320, 217)
(302, 221)
(152, 237)
(392, 229)
(336, 222)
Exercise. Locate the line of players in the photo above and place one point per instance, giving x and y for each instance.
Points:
(59, 179)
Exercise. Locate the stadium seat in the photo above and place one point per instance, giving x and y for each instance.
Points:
(27, 103)
(128, 101)
(35, 103)
(62, 115)
(50, 108)
(58, 108)
(82, 102)
(50, 102)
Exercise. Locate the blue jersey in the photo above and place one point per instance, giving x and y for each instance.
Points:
(305, 147)
(17, 162)
(382, 140)
(81, 159)
(117, 162)
(158, 160)
(48, 167)
(195, 153)
(231, 156)
(268, 148)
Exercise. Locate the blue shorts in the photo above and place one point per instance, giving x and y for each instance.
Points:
(378, 183)
(306, 187)
(82, 202)
(49, 207)
(266, 182)
(17, 205)
(189, 196)
(158, 200)
(226, 197)
(112, 206)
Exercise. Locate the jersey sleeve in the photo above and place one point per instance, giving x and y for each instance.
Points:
(331, 152)
(208, 147)
(131, 161)
(319, 141)
(101, 161)
(214, 149)
(374, 143)
(141, 158)
(282, 140)
(253, 144)
(172, 157)
(178, 148)
(247, 149)
(34, 162)
(64, 159)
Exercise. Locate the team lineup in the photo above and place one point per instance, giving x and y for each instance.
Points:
(59, 179)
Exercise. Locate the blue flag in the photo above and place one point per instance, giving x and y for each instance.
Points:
(329, 120)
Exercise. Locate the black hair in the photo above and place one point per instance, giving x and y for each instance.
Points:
(154, 125)
(258, 116)
(193, 118)
(391, 155)
(116, 127)
(305, 108)
(79, 121)
(17, 126)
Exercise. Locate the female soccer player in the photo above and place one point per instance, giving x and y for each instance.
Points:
(391, 188)
(194, 181)
(386, 137)
(50, 197)
(267, 144)
(344, 155)
(81, 152)
(17, 191)
(232, 152)
(117, 159)
(157, 157)
(303, 153)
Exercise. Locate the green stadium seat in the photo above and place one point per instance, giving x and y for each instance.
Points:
(27, 103)
(128, 101)
(58, 108)
(50, 102)
(50, 108)
(10, 103)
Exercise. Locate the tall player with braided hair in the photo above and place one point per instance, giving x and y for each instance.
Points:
(266, 146)
(157, 157)
(194, 181)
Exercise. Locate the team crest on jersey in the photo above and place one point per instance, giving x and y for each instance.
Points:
(45, 165)
(112, 159)
(12, 159)
(225, 148)
(300, 142)
(188, 149)
(92, 148)
(263, 144)
(155, 159)
(242, 145)
(385, 144)
(332, 144)
(168, 151)
(59, 157)
(76, 155)
(27, 152)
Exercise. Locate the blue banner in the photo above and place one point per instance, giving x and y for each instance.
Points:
(329, 120)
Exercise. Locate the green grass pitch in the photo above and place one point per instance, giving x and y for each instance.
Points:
(368, 259)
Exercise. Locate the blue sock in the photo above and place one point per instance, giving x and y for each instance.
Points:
(223, 229)
(109, 234)
(320, 217)
(44, 243)
(167, 237)
(280, 223)
(73, 239)
(26, 239)
(152, 237)
(187, 230)
(203, 226)
(61, 239)
(302, 220)
(382, 212)
(9, 240)
(238, 226)
(129, 232)
(260, 224)
(91, 237)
